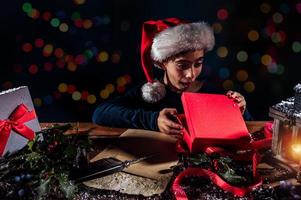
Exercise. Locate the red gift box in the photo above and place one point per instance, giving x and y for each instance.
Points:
(212, 120)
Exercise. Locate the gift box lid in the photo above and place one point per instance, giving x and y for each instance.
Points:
(213, 119)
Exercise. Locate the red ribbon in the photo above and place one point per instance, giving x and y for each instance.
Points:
(239, 191)
(16, 122)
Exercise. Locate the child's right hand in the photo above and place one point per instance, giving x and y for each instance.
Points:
(167, 125)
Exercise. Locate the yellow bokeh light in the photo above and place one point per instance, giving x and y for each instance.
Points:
(110, 88)
(265, 8)
(62, 87)
(103, 56)
(242, 75)
(87, 23)
(277, 18)
(253, 35)
(217, 27)
(91, 99)
(222, 52)
(104, 94)
(228, 84)
(249, 86)
(37, 102)
(266, 60)
(72, 66)
(121, 81)
(64, 27)
(76, 95)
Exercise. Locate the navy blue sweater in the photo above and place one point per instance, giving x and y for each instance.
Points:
(131, 111)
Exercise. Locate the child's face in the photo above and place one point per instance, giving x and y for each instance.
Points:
(182, 71)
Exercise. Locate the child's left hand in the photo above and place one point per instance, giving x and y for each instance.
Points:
(239, 99)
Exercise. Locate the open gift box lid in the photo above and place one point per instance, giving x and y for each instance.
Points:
(212, 119)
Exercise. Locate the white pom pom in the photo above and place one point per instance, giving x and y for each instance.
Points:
(153, 92)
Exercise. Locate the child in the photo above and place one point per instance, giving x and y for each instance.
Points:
(179, 49)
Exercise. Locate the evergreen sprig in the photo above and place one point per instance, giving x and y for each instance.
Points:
(43, 165)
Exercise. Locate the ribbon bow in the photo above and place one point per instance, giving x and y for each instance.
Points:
(16, 122)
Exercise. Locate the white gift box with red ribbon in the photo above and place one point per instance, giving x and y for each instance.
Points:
(18, 121)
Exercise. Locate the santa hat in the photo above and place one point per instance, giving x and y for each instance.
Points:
(165, 38)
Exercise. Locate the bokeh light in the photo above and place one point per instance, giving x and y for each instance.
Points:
(228, 85)
(265, 8)
(76, 95)
(103, 56)
(253, 35)
(266, 60)
(242, 75)
(242, 56)
(63, 87)
(249, 86)
(222, 14)
(91, 99)
(296, 46)
(222, 52)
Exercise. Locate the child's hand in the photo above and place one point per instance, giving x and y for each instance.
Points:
(167, 125)
(239, 99)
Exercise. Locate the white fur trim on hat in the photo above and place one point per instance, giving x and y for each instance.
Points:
(181, 38)
(153, 92)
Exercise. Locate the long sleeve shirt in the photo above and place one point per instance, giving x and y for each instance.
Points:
(131, 111)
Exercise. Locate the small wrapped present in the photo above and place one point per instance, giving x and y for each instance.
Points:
(212, 119)
(18, 121)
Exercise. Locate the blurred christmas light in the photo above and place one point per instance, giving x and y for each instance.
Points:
(266, 60)
(35, 14)
(48, 66)
(47, 50)
(253, 35)
(76, 95)
(71, 89)
(121, 81)
(62, 87)
(103, 56)
(87, 23)
(242, 75)
(84, 95)
(26, 7)
(228, 84)
(46, 16)
(80, 59)
(222, 52)
(249, 86)
(217, 27)
(27, 47)
(39, 43)
(222, 14)
(33, 69)
(224, 73)
(104, 94)
(64, 27)
(61, 14)
(120, 89)
(277, 18)
(265, 8)
(88, 54)
(115, 58)
(37, 102)
(276, 37)
(91, 99)
(78, 23)
(71, 66)
(296, 46)
(127, 78)
(242, 56)
(110, 88)
(59, 52)
(79, 2)
(55, 22)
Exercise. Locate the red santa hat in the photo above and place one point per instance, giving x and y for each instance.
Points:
(165, 38)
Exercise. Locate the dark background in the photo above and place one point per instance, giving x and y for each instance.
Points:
(68, 69)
